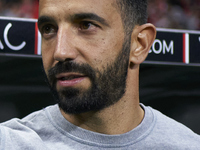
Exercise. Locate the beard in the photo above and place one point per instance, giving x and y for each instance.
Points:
(107, 86)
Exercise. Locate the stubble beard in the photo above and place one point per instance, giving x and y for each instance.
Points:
(107, 86)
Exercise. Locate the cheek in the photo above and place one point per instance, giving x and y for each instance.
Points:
(45, 65)
(110, 49)
(47, 57)
(47, 62)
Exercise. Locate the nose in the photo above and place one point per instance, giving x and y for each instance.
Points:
(65, 47)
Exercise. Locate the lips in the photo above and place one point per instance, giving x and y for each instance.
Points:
(68, 76)
(69, 79)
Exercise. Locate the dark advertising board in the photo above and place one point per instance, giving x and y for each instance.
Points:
(175, 46)
(194, 47)
(21, 37)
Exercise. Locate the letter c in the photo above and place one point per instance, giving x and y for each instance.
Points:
(15, 48)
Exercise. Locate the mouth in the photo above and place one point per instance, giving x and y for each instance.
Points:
(69, 79)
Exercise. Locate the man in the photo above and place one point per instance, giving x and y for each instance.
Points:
(91, 51)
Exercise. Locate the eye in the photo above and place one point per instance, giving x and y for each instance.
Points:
(86, 25)
(48, 30)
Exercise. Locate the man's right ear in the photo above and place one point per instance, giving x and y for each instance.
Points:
(141, 40)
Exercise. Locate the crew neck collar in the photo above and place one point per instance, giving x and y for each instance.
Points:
(88, 137)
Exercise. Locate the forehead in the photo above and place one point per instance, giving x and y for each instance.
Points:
(104, 8)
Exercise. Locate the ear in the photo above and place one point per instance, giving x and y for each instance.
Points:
(141, 40)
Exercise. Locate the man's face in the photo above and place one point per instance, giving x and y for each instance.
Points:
(84, 53)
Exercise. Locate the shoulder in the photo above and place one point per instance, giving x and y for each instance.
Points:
(24, 132)
(26, 122)
(33, 120)
(169, 124)
(170, 132)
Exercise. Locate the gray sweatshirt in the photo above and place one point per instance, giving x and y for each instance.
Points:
(47, 129)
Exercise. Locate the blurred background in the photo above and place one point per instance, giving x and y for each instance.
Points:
(176, 14)
(172, 89)
(19, 8)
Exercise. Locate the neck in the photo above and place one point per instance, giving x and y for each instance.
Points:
(108, 121)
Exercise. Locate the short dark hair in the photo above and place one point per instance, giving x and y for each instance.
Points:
(133, 12)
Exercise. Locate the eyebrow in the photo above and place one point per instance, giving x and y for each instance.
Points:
(78, 16)
(44, 19)
(92, 16)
